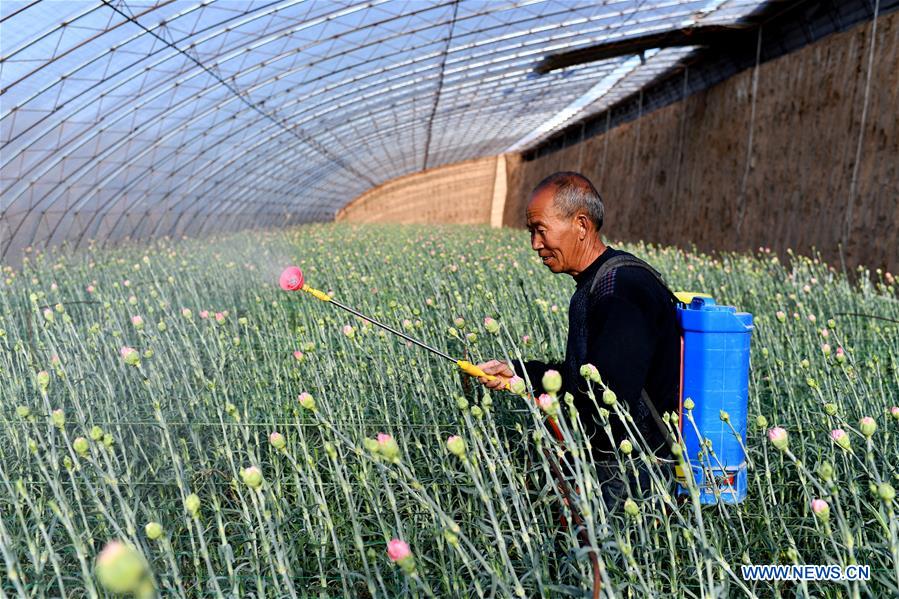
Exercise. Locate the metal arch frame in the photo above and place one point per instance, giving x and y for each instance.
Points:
(268, 81)
(279, 57)
(150, 123)
(126, 114)
(232, 53)
(220, 106)
(262, 158)
(248, 201)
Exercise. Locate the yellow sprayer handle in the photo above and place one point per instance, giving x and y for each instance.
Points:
(316, 293)
(685, 297)
(472, 370)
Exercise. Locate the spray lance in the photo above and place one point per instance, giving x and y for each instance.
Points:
(292, 280)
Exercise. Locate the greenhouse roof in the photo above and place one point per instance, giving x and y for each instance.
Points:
(136, 118)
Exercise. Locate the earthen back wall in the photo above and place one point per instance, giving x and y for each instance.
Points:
(458, 193)
(684, 174)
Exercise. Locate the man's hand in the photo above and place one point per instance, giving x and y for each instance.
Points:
(500, 370)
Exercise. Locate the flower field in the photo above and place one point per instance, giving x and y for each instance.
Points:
(174, 423)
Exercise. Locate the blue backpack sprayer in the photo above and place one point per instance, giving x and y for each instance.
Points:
(714, 376)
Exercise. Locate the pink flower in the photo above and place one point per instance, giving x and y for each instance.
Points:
(219, 317)
(126, 350)
(811, 318)
(820, 508)
(127, 283)
(383, 438)
(840, 351)
(204, 313)
(398, 550)
(778, 437)
(526, 339)
(90, 288)
(545, 401)
(825, 333)
(137, 321)
(54, 359)
(840, 437)
(298, 355)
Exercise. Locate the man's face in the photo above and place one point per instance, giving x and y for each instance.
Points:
(553, 237)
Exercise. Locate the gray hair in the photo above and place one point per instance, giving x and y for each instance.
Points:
(573, 192)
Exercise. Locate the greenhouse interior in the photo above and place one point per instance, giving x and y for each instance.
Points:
(449, 298)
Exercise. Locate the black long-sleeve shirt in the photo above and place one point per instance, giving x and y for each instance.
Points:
(626, 326)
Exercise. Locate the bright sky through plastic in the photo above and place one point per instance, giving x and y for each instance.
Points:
(140, 119)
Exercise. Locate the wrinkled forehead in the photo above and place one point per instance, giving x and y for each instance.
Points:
(541, 205)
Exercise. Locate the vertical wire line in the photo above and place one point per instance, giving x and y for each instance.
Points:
(853, 185)
(741, 199)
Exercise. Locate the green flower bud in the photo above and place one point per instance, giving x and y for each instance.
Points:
(491, 325)
(277, 440)
(830, 408)
(120, 568)
(456, 446)
(461, 402)
(825, 471)
(81, 446)
(608, 397)
(23, 411)
(153, 530)
(517, 385)
(477, 412)
(868, 426)
(307, 401)
(886, 492)
(96, 433)
(43, 380)
(330, 450)
(58, 417)
(688, 404)
(552, 381)
(108, 439)
(626, 447)
(631, 508)
(589, 371)
(192, 504)
(724, 416)
(761, 421)
(252, 477)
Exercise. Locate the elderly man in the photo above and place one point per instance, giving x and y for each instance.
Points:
(621, 319)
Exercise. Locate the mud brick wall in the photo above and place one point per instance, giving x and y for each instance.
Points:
(685, 174)
(458, 193)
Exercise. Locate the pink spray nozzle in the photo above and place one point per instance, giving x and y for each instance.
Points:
(291, 279)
